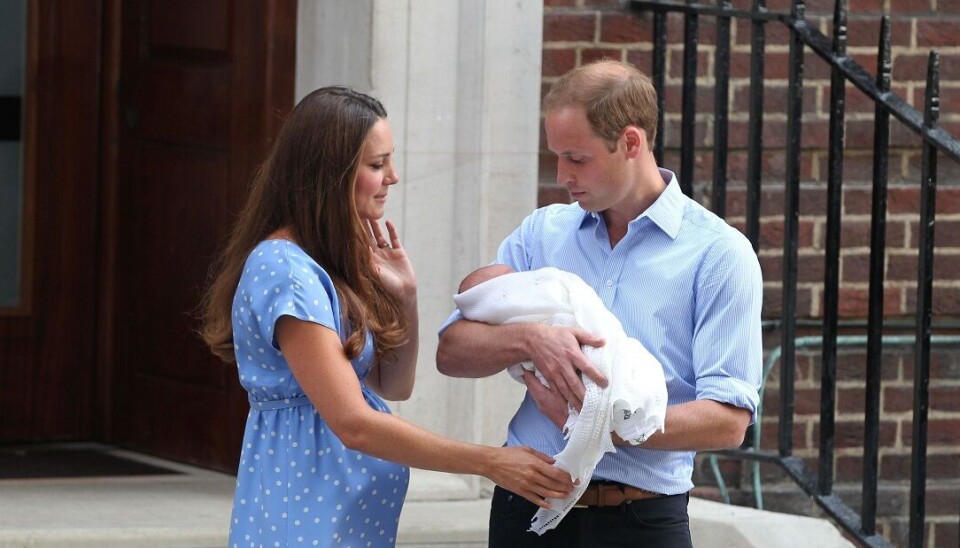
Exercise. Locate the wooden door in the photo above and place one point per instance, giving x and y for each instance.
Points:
(48, 340)
(202, 86)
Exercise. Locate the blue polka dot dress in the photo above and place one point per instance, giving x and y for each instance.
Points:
(297, 485)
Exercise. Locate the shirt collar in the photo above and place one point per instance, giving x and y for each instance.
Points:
(666, 212)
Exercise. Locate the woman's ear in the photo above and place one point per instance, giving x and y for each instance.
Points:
(635, 140)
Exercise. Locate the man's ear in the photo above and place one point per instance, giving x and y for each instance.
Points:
(635, 140)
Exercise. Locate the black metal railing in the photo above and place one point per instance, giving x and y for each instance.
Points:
(803, 37)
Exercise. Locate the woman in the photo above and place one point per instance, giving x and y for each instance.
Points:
(318, 309)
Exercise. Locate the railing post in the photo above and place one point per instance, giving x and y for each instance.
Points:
(868, 510)
(659, 76)
(721, 80)
(831, 291)
(755, 128)
(791, 210)
(921, 367)
(691, 37)
(878, 226)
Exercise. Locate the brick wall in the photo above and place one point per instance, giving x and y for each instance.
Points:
(577, 31)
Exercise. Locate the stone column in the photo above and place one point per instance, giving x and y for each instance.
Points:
(461, 83)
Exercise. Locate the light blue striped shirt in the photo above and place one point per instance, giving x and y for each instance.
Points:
(684, 283)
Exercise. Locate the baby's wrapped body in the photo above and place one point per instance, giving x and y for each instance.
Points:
(633, 405)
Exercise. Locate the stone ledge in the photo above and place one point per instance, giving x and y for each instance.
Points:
(193, 510)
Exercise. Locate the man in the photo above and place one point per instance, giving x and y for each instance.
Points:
(680, 280)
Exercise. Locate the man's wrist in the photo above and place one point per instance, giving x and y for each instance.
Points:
(528, 333)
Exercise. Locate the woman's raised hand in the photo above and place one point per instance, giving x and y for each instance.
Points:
(391, 261)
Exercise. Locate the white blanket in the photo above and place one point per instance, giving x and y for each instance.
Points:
(634, 403)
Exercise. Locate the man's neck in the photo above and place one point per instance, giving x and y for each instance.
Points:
(648, 188)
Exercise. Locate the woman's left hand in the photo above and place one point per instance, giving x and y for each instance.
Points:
(391, 261)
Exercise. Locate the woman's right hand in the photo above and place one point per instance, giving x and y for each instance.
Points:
(390, 259)
(528, 473)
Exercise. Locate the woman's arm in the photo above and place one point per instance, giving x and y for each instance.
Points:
(319, 364)
(394, 379)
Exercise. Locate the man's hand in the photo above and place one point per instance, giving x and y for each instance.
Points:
(548, 400)
(556, 353)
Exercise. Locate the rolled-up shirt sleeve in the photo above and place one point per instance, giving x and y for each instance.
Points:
(727, 342)
(452, 319)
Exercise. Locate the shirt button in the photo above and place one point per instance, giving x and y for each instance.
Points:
(609, 283)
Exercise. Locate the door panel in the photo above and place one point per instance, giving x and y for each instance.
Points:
(191, 24)
(186, 104)
(170, 246)
(187, 149)
(47, 345)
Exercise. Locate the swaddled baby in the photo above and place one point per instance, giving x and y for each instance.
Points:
(633, 405)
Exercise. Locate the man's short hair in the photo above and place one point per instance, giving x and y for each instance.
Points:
(613, 94)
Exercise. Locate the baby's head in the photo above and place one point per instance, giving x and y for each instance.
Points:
(483, 274)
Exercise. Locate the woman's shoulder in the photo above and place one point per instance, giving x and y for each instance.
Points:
(283, 255)
(276, 250)
(279, 261)
(282, 278)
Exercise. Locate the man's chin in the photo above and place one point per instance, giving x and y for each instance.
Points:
(587, 207)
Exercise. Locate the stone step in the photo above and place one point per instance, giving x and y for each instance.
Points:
(192, 509)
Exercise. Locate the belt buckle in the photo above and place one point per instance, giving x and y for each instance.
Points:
(609, 495)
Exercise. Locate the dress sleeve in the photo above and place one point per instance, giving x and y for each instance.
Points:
(290, 284)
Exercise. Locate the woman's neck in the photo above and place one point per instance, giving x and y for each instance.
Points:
(282, 233)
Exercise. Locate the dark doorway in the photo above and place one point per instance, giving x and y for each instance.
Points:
(143, 122)
(202, 87)
(71, 460)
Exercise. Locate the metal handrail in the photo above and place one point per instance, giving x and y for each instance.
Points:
(772, 358)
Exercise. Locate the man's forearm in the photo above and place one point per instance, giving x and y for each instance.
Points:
(474, 349)
(700, 425)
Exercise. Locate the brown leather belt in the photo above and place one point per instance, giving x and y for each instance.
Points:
(611, 494)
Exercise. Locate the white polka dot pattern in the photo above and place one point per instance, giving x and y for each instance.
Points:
(297, 485)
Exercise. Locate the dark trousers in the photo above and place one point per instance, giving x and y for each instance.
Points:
(651, 523)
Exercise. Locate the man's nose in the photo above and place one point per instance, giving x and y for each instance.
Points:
(563, 177)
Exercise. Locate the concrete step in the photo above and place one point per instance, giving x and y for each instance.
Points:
(192, 509)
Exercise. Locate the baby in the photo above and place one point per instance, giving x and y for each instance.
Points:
(550, 313)
(483, 274)
(544, 296)
(633, 405)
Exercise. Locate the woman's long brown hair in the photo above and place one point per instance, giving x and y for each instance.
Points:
(307, 184)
